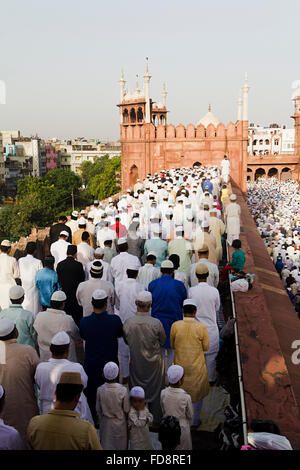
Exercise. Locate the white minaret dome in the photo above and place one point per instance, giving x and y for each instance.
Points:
(209, 118)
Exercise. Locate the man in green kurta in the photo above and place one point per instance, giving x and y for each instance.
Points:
(183, 248)
(145, 336)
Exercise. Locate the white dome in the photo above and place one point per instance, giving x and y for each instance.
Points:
(209, 118)
(137, 94)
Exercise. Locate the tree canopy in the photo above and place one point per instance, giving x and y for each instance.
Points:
(100, 177)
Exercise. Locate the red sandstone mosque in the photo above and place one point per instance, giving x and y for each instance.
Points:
(149, 144)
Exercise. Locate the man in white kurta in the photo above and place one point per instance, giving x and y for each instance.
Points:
(53, 320)
(225, 169)
(119, 263)
(59, 248)
(29, 266)
(98, 256)
(9, 272)
(73, 222)
(208, 304)
(232, 218)
(85, 289)
(48, 373)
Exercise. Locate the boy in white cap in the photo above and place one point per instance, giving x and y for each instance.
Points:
(18, 363)
(112, 406)
(176, 402)
(9, 437)
(53, 320)
(189, 339)
(139, 420)
(22, 318)
(232, 219)
(48, 373)
(9, 272)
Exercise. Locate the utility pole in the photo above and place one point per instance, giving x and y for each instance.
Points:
(72, 199)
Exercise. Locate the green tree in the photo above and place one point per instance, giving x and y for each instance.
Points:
(104, 185)
(89, 169)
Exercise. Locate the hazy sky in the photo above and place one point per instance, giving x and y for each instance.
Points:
(61, 60)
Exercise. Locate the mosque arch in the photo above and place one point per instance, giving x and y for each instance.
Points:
(125, 115)
(273, 172)
(286, 173)
(140, 115)
(132, 115)
(162, 120)
(133, 175)
(249, 174)
(259, 173)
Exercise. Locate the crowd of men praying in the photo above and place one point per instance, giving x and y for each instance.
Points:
(115, 334)
(275, 206)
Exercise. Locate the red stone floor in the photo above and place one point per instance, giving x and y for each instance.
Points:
(267, 326)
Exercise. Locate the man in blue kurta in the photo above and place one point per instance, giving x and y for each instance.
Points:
(168, 295)
(100, 331)
(46, 281)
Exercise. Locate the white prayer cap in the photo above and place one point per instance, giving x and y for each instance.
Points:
(232, 197)
(110, 199)
(128, 191)
(64, 233)
(156, 228)
(190, 302)
(82, 221)
(108, 238)
(82, 212)
(180, 199)
(167, 264)
(99, 251)
(179, 228)
(96, 268)
(152, 253)
(16, 292)
(133, 264)
(60, 338)
(1, 391)
(75, 214)
(5, 243)
(99, 294)
(144, 296)
(175, 373)
(137, 392)
(121, 241)
(6, 326)
(213, 210)
(59, 296)
(205, 224)
(111, 371)
(215, 204)
(96, 201)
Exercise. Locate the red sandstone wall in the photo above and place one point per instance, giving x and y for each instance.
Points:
(152, 149)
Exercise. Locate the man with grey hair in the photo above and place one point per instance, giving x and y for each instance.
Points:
(145, 336)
